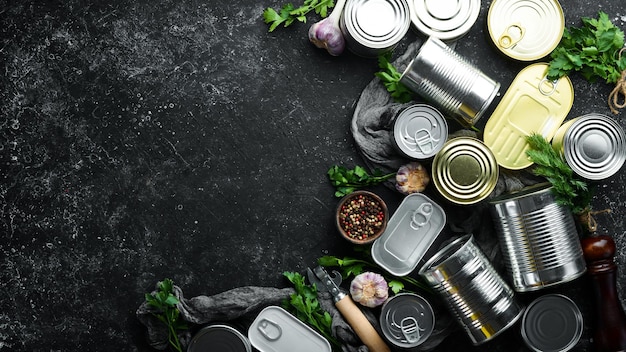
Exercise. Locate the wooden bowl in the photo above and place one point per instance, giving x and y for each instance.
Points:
(361, 217)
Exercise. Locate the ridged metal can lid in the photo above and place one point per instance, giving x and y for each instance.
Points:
(465, 170)
(420, 131)
(372, 27)
(552, 323)
(407, 320)
(219, 337)
(594, 146)
(525, 30)
(444, 19)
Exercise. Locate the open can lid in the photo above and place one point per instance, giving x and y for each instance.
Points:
(276, 330)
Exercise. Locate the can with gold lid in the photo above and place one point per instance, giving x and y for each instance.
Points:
(447, 20)
(593, 145)
(525, 30)
(373, 27)
(465, 171)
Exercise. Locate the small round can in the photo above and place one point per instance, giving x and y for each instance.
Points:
(552, 323)
(447, 20)
(407, 320)
(218, 337)
(373, 27)
(465, 171)
(525, 30)
(593, 145)
(419, 131)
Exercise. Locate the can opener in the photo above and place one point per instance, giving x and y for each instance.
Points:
(348, 309)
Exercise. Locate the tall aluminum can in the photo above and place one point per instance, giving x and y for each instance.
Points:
(445, 78)
(538, 238)
(373, 27)
(593, 145)
(482, 302)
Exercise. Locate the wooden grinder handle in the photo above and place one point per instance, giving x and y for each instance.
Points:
(361, 326)
(610, 330)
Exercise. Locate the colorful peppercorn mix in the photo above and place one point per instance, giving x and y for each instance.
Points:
(361, 217)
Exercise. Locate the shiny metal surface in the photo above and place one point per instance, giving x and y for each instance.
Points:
(465, 171)
(407, 320)
(538, 239)
(552, 323)
(450, 82)
(420, 131)
(447, 20)
(525, 30)
(593, 145)
(481, 301)
(373, 27)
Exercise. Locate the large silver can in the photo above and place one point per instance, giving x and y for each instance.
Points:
(445, 78)
(593, 145)
(482, 302)
(373, 27)
(538, 238)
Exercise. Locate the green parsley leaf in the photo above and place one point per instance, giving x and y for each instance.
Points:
(167, 312)
(347, 181)
(591, 49)
(390, 77)
(289, 14)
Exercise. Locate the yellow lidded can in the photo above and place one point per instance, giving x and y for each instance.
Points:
(465, 171)
(525, 30)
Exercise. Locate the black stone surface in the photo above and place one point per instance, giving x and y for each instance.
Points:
(148, 139)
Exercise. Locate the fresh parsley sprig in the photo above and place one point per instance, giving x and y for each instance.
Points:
(351, 267)
(568, 189)
(592, 49)
(306, 307)
(390, 78)
(347, 180)
(289, 13)
(164, 301)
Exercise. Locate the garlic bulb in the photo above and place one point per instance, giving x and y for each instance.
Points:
(369, 289)
(327, 34)
(411, 178)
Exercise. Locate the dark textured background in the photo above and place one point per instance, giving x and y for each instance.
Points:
(148, 139)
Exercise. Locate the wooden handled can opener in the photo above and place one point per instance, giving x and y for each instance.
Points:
(348, 309)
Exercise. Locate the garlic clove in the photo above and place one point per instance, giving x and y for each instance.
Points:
(412, 178)
(369, 289)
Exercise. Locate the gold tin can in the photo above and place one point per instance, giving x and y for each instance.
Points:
(525, 30)
(465, 171)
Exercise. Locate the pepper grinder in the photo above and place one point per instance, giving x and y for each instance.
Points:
(610, 329)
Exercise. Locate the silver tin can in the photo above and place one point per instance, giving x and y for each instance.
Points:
(221, 338)
(593, 145)
(420, 131)
(445, 78)
(482, 302)
(373, 27)
(407, 320)
(447, 20)
(552, 323)
(538, 238)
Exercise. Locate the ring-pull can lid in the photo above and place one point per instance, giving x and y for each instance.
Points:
(420, 131)
(410, 232)
(444, 19)
(276, 330)
(525, 30)
(407, 320)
